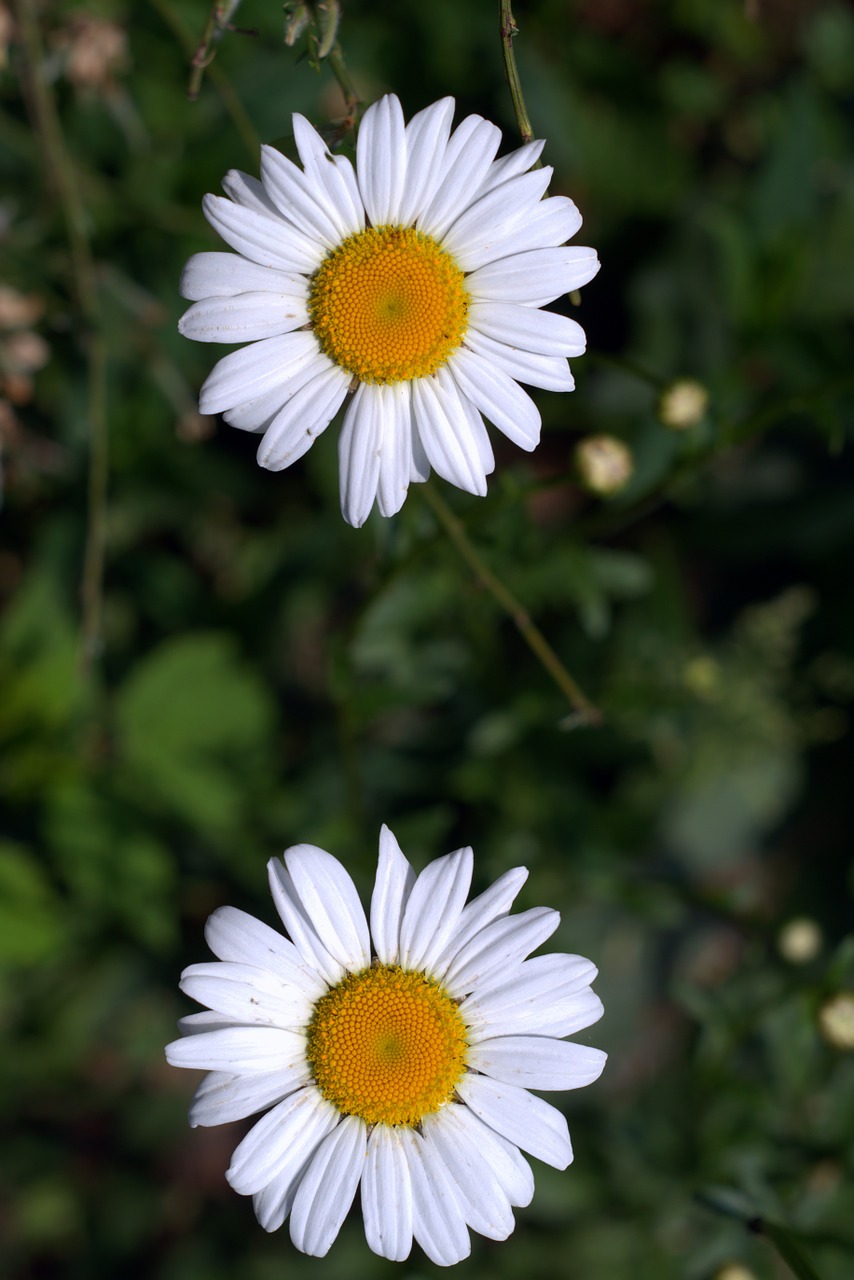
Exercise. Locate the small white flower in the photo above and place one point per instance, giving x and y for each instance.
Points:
(416, 278)
(396, 1058)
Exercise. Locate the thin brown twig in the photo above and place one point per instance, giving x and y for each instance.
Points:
(584, 711)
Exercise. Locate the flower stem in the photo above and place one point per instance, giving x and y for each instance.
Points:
(59, 170)
(508, 29)
(219, 20)
(239, 116)
(787, 1246)
(324, 46)
(584, 712)
(735, 1204)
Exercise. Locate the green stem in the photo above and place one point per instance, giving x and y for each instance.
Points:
(508, 29)
(219, 18)
(339, 69)
(59, 171)
(239, 116)
(628, 366)
(585, 712)
(788, 1248)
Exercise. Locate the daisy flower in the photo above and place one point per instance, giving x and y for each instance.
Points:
(396, 1058)
(414, 280)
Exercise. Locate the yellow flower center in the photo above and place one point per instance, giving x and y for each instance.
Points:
(387, 1045)
(389, 304)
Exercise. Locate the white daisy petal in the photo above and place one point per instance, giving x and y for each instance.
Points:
(543, 332)
(387, 1194)
(246, 993)
(298, 925)
(445, 433)
(490, 905)
(537, 1062)
(426, 142)
(520, 1117)
(243, 318)
(543, 226)
(509, 166)
(359, 451)
(396, 448)
(392, 888)
(381, 160)
(328, 1186)
(420, 462)
(222, 275)
(334, 173)
(195, 1023)
(249, 192)
(534, 278)
(468, 156)
(496, 395)
(303, 202)
(547, 996)
(261, 237)
(240, 1048)
(252, 371)
(236, 936)
(499, 947)
(329, 899)
(305, 416)
(437, 1218)
(434, 908)
(552, 373)
(483, 1201)
(281, 1141)
(222, 1097)
(279, 1010)
(504, 1158)
(305, 363)
(493, 217)
(476, 424)
(273, 1203)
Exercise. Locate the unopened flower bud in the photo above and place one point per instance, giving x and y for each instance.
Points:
(734, 1271)
(800, 940)
(836, 1020)
(604, 464)
(683, 404)
(296, 21)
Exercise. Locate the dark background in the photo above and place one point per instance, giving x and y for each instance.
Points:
(263, 674)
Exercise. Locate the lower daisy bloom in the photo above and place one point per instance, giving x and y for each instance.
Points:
(416, 279)
(396, 1058)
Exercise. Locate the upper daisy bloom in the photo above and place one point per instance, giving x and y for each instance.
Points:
(397, 1058)
(414, 279)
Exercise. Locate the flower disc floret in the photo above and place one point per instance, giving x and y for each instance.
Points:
(389, 305)
(387, 1045)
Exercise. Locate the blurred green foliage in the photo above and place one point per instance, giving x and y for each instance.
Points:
(268, 675)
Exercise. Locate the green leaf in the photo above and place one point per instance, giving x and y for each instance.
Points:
(192, 721)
